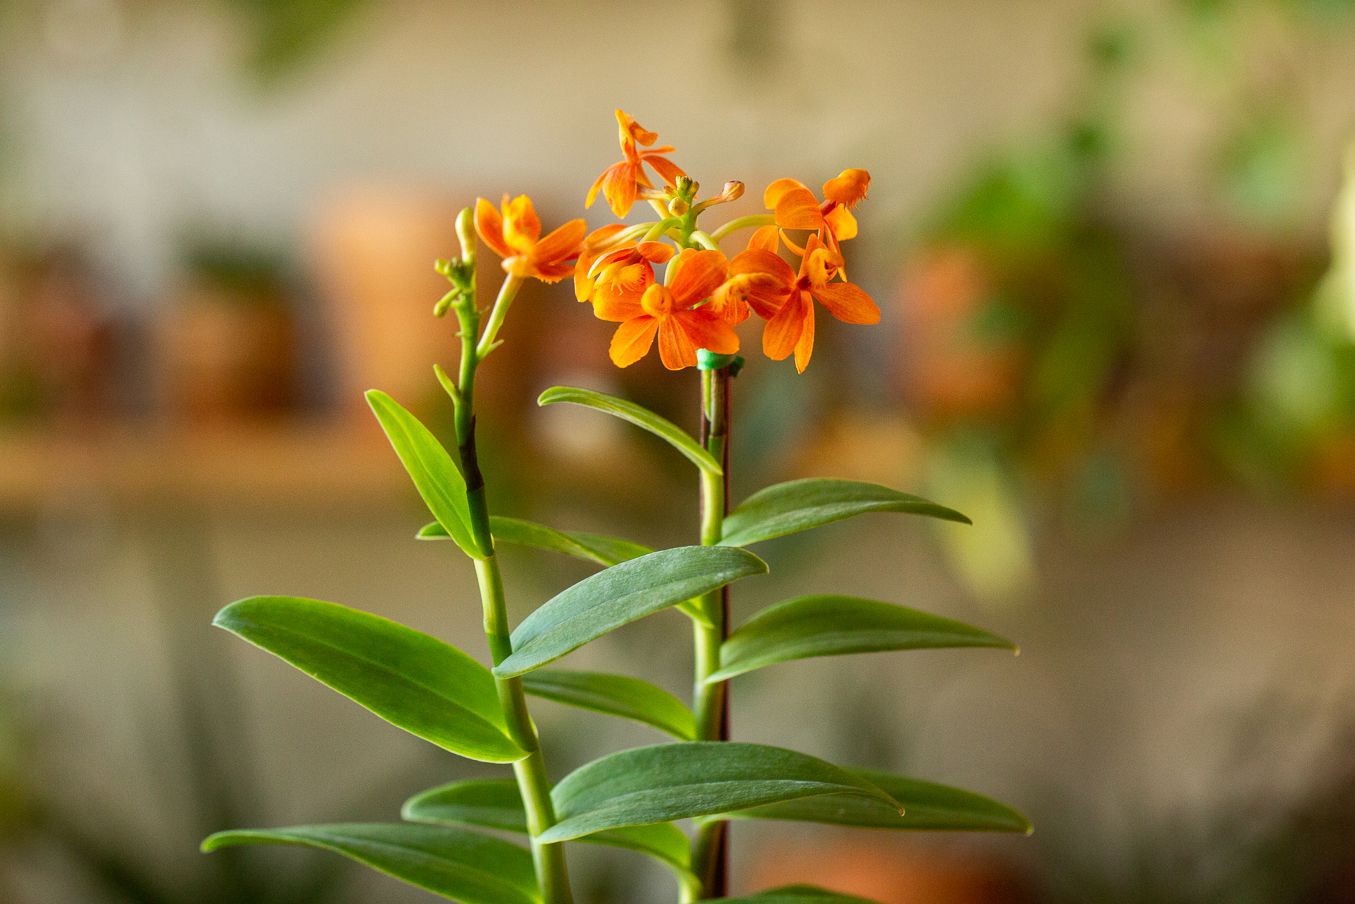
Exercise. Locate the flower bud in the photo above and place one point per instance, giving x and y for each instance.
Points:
(733, 190)
(678, 206)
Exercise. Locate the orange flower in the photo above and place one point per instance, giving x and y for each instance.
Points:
(758, 279)
(795, 207)
(516, 237)
(621, 182)
(671, 312)
(791, 327)
(628, 271)
(598, 242)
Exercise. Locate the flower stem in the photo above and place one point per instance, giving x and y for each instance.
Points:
(710, 856)
(549, 859)
(507, 292)
(748, 222)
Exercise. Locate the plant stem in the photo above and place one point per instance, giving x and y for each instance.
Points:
(752, 220)
(710, 856)
(549, 859)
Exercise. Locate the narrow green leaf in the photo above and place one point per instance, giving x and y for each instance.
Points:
(596, 548)
(799, 505)
(435, 475)
(412, 680)
(491, 803)
(828, 625)
(638, 415)
(926, 805)
(457, 864)
(497, 804)
(619, 595)
(799, 894)
(615, 695)
(696, 778)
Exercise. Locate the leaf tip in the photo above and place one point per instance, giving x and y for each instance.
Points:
(213, 842)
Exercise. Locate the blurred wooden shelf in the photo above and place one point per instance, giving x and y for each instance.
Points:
(313, 464)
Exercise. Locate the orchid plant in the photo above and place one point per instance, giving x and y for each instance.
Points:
(663, 281)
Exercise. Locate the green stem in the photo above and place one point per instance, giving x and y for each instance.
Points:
(507, 292)
(549, 859)
(710, 855)
(748, 222)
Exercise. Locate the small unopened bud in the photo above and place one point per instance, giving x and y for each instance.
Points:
(733, 190)
(687, 186)
(465, 232)
(678, 206)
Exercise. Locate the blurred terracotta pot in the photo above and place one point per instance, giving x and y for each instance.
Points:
(227, 353)
(892, 872)
(373, 251)
(949, 371)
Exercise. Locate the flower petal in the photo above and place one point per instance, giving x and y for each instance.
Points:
(804, 346)
(848, 187)
(619, 186)
(698, 274)
(784, 328)
(562, 244)
(841, 223)
(772, 196)
(656, 252)
(676, 348)
(797, 208)
(847, 302)
(632, 340)
(668, 171)
(705, 330)
(617, 307)
(521, 225)
(489, 225)
(764, 239)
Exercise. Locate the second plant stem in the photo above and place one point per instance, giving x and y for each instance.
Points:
(533, 784)
(710, 855)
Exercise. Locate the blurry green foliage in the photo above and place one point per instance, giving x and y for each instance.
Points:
(286, 34)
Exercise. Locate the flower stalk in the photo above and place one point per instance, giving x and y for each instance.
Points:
(549, 859)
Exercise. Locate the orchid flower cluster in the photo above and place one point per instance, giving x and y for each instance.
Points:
(672, 801)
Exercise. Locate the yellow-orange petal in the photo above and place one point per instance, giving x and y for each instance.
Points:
(489, 225)
(784, 328)
(521, 225)
(676, 348)
(617, 307)
(841, 223)
(550, 271)
(764, 239)
(774, 192)
(706, 330)
(619, 186)
(631, 129)
(847, 302)
(583, 282)
(697, 274)
(804, 346)
(798, 209)
(561, 244)
(656, 252)
(668, 171)
(632, 340)
(848, 187)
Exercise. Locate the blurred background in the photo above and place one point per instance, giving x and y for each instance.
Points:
(1115, 249)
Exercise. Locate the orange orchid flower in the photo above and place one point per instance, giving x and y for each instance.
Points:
(628, 271)
(671, 312)
(791, 327)
(795, 207)
(621, 182)
(599, 242)
(758, 280)
(516, 237)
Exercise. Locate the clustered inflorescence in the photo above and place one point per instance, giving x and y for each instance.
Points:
(703, 295)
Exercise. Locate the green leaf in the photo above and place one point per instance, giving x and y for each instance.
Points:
(799, 894)
(619, 595)
(696, 778)
(615, 695)
(412, 680)
(491, 803)
(799, 505)
(435, 475)
(926, 805)
(597, 548)
(454, 863)
(497, 804)
(828, 625)
(638, 415)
